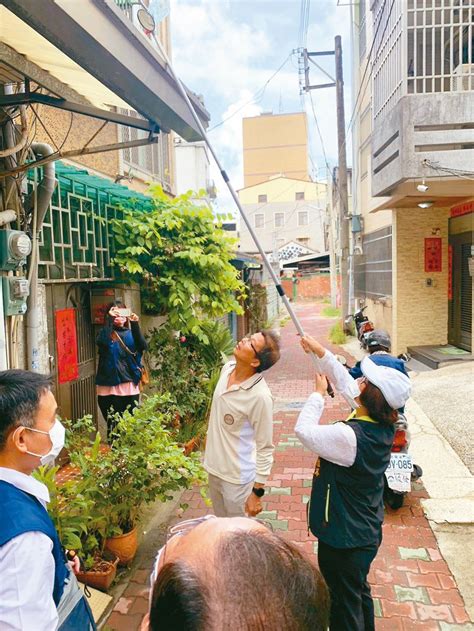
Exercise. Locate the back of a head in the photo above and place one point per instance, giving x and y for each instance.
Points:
(254, 582)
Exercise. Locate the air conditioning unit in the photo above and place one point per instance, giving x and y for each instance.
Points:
(463, 78)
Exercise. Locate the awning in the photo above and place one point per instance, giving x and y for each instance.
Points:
(92, 48)
(118, 193)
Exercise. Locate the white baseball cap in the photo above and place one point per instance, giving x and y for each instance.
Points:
(392, 382)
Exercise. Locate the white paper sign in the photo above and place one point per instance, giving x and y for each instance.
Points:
(398, 472)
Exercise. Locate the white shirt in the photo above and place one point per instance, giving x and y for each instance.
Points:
(337, 442)
(27, 570)
(239, 446)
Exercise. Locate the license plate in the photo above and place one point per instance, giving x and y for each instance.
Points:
(398, 472)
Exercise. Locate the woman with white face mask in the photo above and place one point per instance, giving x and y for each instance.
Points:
(121, 345)
(38, 589)
(346, 507)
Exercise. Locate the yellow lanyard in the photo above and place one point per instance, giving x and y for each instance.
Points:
(367, 419)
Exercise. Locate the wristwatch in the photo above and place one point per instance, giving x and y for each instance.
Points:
(258, 492)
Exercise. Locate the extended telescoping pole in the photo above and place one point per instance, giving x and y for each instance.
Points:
(235, 197)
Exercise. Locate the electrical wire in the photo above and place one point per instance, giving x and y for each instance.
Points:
(256, 98)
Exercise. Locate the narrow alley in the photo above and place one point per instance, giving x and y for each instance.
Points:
(412, 585)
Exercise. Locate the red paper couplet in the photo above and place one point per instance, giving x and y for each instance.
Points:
(66, 344)
(433, 250)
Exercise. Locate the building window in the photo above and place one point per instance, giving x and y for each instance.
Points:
(262, 199)
(299, 196)
(303, 240)
(149, 160)
(259, 220)
(279, 220)
(303, 218)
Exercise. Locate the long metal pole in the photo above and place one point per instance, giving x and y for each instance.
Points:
(234, 195)
(342, 178)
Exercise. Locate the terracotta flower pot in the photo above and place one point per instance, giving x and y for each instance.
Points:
(100, 576)
(123, 546)
(190, 446)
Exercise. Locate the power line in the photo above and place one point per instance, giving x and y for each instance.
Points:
(257, 97)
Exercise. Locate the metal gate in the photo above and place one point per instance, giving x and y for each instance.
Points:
(75, 398)
(460, 307)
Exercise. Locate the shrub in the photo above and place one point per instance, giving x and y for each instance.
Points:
(337, 335)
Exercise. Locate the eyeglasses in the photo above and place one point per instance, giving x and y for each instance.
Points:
(180, 529)
(249, 340)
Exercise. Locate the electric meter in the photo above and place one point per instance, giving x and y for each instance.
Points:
(15, 247)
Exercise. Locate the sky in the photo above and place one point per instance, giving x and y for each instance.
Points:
(227, 50)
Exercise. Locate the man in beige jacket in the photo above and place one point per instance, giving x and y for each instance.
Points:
(239, 447)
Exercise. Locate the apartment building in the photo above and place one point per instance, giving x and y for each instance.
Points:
(275, 143)
(413, 169)
(285, 213)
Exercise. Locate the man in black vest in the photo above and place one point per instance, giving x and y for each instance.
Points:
(38, 590)
(346, 506)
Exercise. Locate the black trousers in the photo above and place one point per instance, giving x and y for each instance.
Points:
(110, 405)
(345, 572)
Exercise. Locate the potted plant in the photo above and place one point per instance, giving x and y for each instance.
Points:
(80, 527)
(146, 464)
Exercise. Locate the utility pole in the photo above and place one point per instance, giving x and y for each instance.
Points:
(341, 182)
(342, 179)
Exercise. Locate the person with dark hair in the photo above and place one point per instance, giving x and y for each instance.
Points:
(239, 447)
(216, 574)
(38, 589)
(346, 506)
(121, 345)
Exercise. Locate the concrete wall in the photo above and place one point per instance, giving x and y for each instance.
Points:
(420, 315)
(275, 144)
(403, 139)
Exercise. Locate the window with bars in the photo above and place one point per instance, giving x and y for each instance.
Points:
(279, 220)
(440, 46)
(373, 268)
(421, 47)
(153, 161)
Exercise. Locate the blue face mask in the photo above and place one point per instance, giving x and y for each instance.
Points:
(57, 435)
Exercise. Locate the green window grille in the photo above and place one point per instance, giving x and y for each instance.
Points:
(76, 240)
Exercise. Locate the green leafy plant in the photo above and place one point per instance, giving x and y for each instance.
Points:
(145, 464)
(185, 370)
(182, 260)
(337, 335)
(112, 485)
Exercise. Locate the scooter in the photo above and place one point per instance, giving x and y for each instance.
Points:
(401, 471)
(362, 324)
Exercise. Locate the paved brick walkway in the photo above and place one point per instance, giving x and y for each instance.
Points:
(412, 585)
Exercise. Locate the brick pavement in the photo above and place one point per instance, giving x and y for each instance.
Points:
(412, 585)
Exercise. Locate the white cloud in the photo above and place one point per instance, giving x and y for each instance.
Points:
(222, 50)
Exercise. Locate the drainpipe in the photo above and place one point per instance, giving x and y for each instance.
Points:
(41, 199)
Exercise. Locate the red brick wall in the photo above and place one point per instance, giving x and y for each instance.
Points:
(309, 287)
